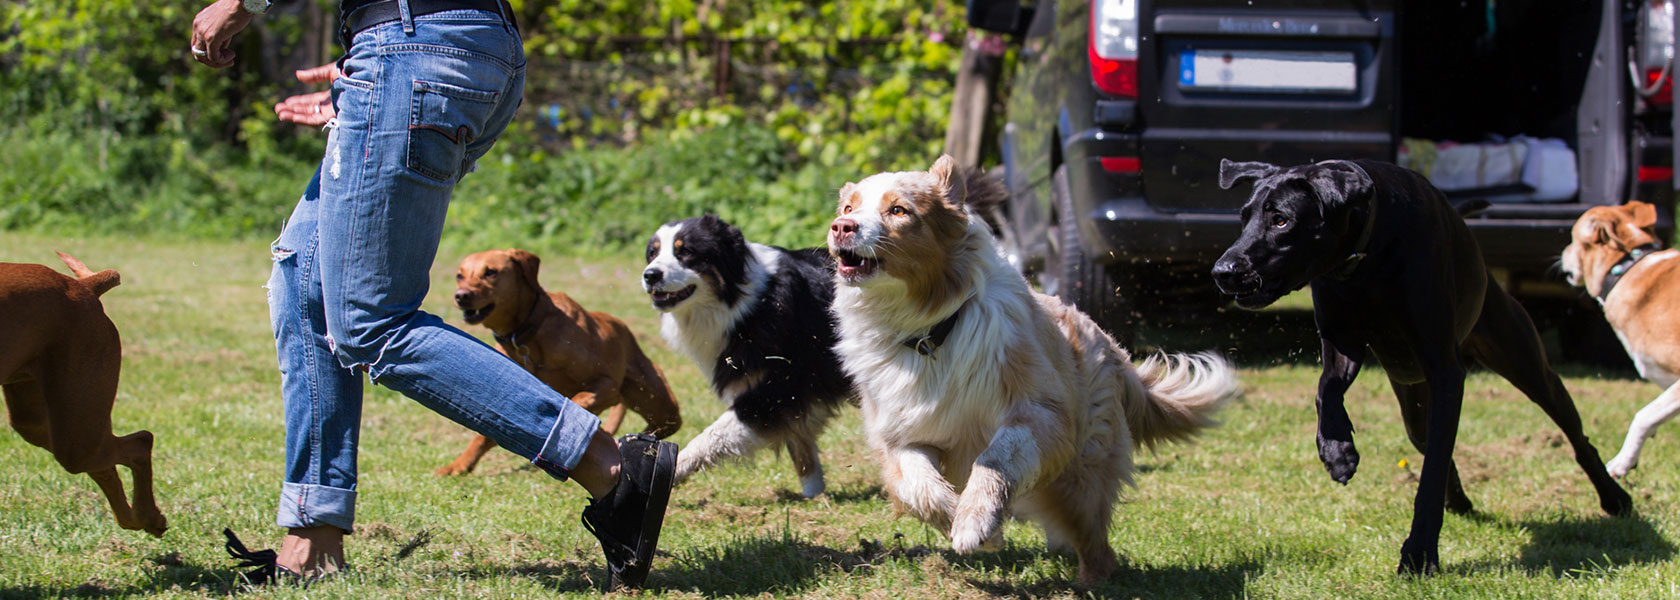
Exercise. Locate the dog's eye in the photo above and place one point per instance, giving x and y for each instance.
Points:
(459, 277)
(897, 211)
(846, 210)
(1279, 221)
(489, 272)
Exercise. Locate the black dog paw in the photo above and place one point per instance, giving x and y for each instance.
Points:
(1418, 561)
(1616, 502)
(1339, 457)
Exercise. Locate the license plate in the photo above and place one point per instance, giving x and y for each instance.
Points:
(1280, 71)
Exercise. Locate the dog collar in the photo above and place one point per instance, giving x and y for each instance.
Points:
(925, 345)
(1359, 246)
(1622, 266)
(526, 326)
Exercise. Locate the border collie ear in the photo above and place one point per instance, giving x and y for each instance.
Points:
(943, 168)
(1340, 181)
(527, 264)
(1232, 173)
(846, 193)
(951, 176)
(1644, 215)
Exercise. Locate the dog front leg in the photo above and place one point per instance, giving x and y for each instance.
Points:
(724, 439)
(1032, 439)
(912, 478)
(1335, 429)
(1656, 413)
(1420, 554)
(600, 393)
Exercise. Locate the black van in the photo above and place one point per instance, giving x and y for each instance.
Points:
(1119, 111)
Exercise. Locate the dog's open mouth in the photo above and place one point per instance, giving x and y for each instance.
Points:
(854, 266)
(476, 315)
(664, 300)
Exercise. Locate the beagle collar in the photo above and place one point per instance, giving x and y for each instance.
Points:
(1623, 266)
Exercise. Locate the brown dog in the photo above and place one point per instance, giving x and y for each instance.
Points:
(591, 357)
(59, 361)
(1614, 254)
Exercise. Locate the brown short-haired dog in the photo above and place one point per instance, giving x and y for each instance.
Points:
(1615, 249)
(58, 366)
(591, 357)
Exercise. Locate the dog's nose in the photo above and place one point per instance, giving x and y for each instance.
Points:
(461, 297)
(842, 229)
(652, 276)
(1227, 274)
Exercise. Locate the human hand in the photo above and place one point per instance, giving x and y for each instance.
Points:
(313, 109)
(213, 30)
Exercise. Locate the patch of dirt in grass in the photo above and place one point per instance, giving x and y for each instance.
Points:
(1484, 462)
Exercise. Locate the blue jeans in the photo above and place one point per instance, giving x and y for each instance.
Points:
(418, 103)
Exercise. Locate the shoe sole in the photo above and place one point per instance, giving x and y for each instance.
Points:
(653, 515)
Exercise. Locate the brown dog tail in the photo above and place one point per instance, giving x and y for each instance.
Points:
(99, 282)
(1182, 393)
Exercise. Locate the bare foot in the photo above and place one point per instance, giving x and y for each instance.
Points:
(312, 551)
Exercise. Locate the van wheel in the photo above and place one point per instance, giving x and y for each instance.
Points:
(1072, 276)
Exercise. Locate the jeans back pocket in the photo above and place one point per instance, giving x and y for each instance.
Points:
(444, 119)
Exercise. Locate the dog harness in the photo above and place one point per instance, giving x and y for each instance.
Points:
(925, 345)
(1623, 266)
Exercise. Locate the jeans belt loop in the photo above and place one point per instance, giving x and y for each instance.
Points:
(407, 16)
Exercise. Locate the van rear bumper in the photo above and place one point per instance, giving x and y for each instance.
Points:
(1128, 230)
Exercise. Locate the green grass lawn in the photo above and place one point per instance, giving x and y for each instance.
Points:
(1244, 512)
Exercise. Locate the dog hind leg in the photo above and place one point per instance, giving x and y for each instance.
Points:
(26, 408)
(1502, 323)
(802, 449)
(1659, 411)
(1414, 410)
(135, 452)
(111, 485)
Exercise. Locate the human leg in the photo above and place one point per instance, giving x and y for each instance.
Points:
(323, 401)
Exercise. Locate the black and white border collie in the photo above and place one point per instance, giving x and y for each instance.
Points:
(756, 320)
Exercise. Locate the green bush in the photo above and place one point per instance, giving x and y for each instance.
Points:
(593, 200)
(611, 199)
(126, 133)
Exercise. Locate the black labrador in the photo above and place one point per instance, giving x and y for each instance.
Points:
(1395, 270)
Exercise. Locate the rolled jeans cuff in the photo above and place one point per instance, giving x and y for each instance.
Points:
(567, 441)
(310, 505)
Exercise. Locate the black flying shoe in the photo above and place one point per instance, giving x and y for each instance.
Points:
(627, 519)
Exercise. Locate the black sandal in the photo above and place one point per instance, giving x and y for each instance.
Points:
(264, 564)
(628, 518)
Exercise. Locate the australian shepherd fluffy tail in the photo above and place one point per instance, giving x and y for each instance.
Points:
(1181, 392)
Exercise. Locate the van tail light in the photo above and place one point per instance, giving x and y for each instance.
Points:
(1114, 47)
(1652, 74)
(1655, 174)
(1122, 164)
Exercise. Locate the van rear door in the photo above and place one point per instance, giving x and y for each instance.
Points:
(1228, 80)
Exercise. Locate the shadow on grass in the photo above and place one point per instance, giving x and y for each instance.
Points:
(752, 566)
(175, 573)
(791, 566)
(1129, 581)
(559, 576)
(1572, 546)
